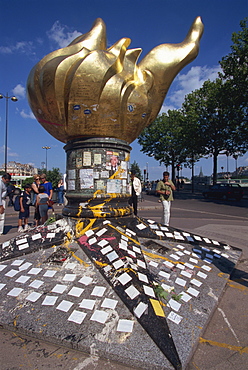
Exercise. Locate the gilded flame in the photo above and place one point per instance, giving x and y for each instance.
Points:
(86, 90)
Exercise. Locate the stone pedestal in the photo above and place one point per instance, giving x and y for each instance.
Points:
(97, 178)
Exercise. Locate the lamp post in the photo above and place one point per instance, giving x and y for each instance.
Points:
(13, 98)
(46, 147)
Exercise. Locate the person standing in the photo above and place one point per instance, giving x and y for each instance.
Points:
(42, 204)
(3, 192)
(35, 188)
(25, 203)
(60, 190)
(47, 185)
(135, 192)
(165, 188)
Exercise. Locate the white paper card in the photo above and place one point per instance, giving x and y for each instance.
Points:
(77, 317)
(193, 292)
(185, 297)
(2, 286)
(186, 274)
(64, 306)
(75, 291)
(143, 277)
(12, 273)
(132, 292)
(36, 284)
(109, 303)
(141, 264)
(59, 288)
(196, 282)
(206, 268)
(174, 317)
(175, 257)
(193, 260)
(86, 280)
(33, 297)
(140, 309)
(101, 232)
(34, 271)
(118, 264)
(125, 326)
(92, 241)
(21, 241)
(98, 291)
(25, 266)
(106, 249)
(103, 242)
(149, 291)
(23, 246)
(69, 277)
(89, 233)
(50, 273)
(50, 300)
(153, 264)
(180, 266)
(181, 282)
(202, 275)
(99, 316)
(87, 303)
(2, 267)
(164, 274)
(112, 256)
(141, 226)
(23, 279)
(50, 235)
(168, 264)
(124, 278)
(17, 262)
(174, 304)
(15, 292)
(36, 236)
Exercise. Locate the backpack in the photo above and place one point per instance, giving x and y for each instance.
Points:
(17, 206)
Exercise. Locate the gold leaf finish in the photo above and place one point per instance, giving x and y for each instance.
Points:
(86, 90)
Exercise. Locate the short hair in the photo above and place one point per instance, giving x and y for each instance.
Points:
(41, 189)
(43, 175)
(133, 172)
(6, 176)
(166, 173)
(27, 186)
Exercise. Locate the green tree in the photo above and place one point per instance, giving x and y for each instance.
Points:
(135, 167)
(53, 175)
(164, 141)
(218, 123)
(235, 67)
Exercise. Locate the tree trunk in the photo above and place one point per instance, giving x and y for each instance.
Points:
(215, 156)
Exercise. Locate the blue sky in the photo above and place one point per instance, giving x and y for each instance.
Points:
(31, 29)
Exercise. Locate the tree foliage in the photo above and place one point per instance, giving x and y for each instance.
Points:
(135, 167)
(53, 175)
(213, 119)
(163, 140)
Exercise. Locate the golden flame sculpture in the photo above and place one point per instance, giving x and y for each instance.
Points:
(86, 90)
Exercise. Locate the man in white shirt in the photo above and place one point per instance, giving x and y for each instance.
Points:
(3, 192)
(136, 191)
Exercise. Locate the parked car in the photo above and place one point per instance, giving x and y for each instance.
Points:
(152, 190)
(224, 191)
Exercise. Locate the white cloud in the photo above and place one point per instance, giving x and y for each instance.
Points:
(62, 35)
(27, 115)
(186, 83)
(19, 91)
(9, 152)
(20, 47)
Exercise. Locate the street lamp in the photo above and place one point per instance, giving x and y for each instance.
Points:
(13, 98)
(46, 147)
